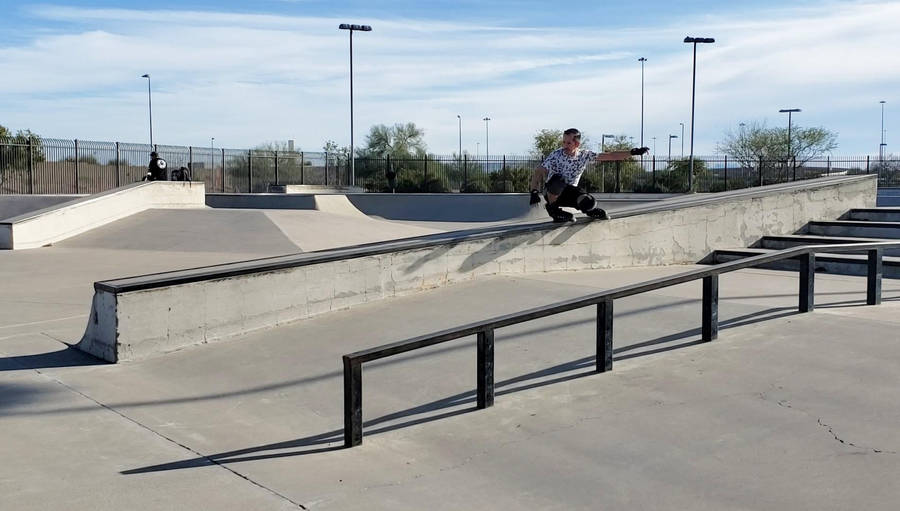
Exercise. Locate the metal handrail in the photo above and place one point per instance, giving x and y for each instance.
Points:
(604, 300)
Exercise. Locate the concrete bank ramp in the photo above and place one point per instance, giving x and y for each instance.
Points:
(449, 208)
(62, 221)
(139, 317)
(17, 205)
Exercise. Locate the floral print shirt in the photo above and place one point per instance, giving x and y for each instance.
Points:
(569, 167)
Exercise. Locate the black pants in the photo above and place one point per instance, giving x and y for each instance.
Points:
(568, 195)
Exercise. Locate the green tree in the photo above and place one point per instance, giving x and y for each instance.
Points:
(14, 152)
(754, 142)
(397, 141)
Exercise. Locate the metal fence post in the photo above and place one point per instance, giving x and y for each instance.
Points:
(425, 174)
(873, 277)
(760, 171)
(352, 402)
(794, 166)
(76, 165)
(653, 170)
(807, 282)
(302, 163)
(604, 358)
(465, 172)
(710, 325)
(828, 169)
(276, 167)
(249, 171)
(485, 369)
(726, 172)
(867, 164)
(117, 165)
(223, 170)
(31, 165)
(618, 176)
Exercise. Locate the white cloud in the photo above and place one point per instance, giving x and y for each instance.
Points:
(249, 78)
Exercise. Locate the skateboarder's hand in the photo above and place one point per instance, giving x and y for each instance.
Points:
(535, 197)
(637, 151)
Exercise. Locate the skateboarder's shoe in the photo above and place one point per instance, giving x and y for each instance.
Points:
(560, 216)
(597, 213)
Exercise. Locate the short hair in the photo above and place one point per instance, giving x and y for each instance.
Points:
(574, 132)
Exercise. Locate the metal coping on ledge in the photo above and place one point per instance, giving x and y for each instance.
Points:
(267, 264)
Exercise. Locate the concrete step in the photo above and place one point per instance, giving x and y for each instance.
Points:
(794, 240)
(855, 229)
(840, 264)
(874, 214)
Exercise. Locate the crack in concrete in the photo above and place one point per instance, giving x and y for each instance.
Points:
(841, 440)
(170, 440)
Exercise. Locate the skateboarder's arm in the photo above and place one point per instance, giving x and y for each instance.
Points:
(538, 178)
(622, 155)
(614, 156)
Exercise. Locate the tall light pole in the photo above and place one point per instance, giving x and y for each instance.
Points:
(487, 145)
(789, 111)
(150, 108)
(682, 139)
(459, 118)
(670, 148)
(351, 29)
(883, 146)
(603, 140)
(212, 154)
(642, 60)
(654, 146)
(694, 41)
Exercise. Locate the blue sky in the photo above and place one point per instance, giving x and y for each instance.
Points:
(248, 73)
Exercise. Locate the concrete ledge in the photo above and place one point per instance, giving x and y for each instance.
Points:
(61, 221)
(142, 316)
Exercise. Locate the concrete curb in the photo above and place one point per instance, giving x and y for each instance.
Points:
(143, 316)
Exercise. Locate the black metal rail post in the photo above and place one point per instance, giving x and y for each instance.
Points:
(30, 166)
(604, 338)
(352, 402)
(276, 167)
(807, 294)
(873, 277)
(760, 171)
(726, 172)
(710, 328)
(618, 177)
(485, 369)
(604, 359)
(250, 171)
(117, 164)
(76, 165)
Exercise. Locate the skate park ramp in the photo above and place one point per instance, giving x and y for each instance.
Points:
(441, 212)
(67, 219)
(16, 205)
(241, 231)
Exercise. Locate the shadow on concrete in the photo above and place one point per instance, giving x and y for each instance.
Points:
(67, 357)
(421, 414)
(17, 394)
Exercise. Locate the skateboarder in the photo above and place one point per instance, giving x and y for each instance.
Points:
(560, 173)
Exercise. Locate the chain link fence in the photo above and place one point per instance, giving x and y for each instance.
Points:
(55, 166)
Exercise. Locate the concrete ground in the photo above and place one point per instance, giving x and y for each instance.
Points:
(783, 411)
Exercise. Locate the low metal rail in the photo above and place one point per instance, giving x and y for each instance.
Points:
(484, 330)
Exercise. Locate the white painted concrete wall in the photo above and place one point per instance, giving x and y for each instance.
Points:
(66, 220)
(158, 320)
